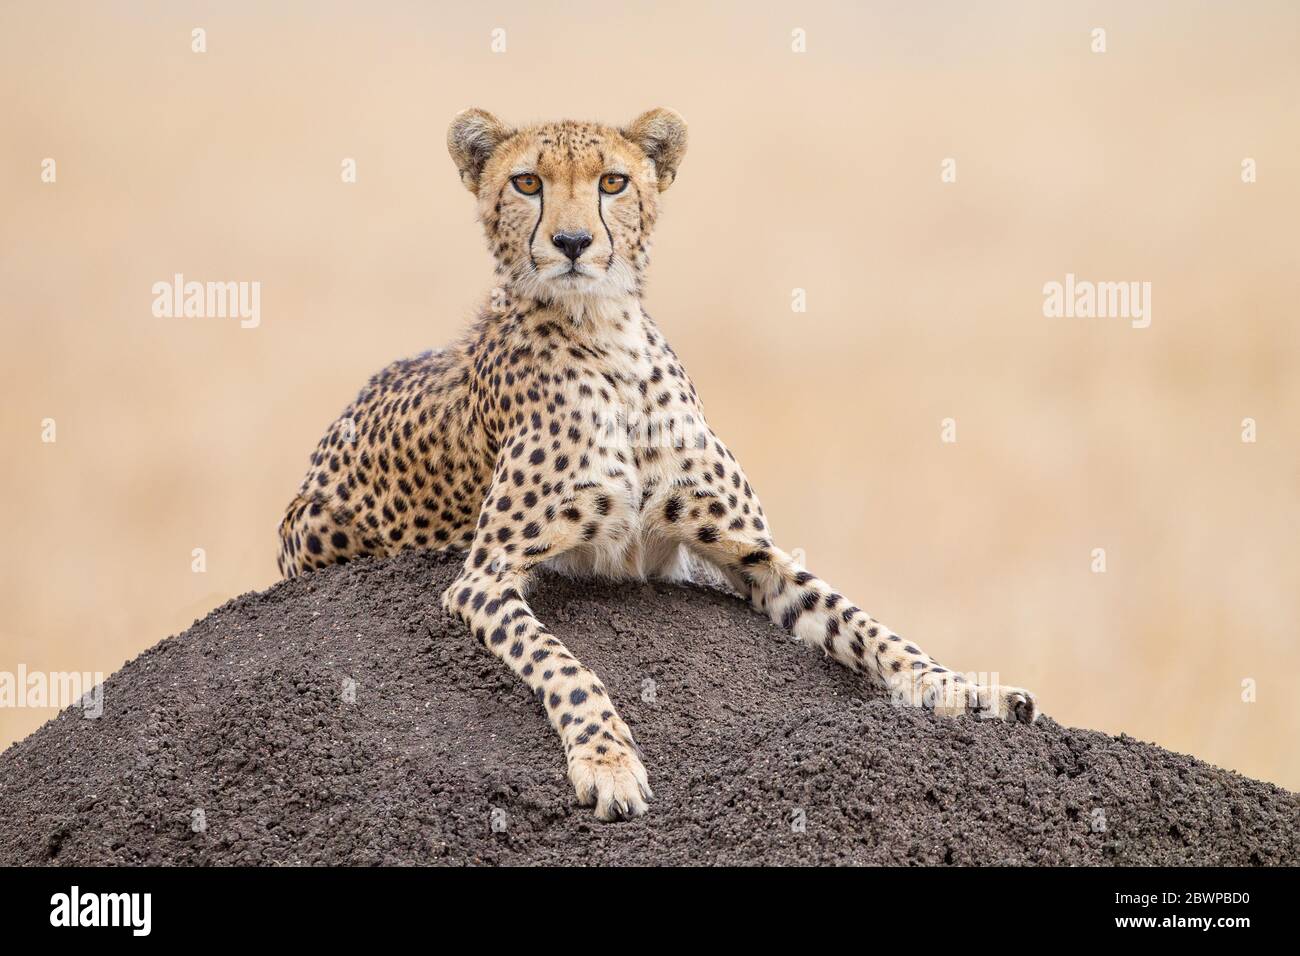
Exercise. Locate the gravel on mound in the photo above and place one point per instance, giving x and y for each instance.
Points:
(343, 718)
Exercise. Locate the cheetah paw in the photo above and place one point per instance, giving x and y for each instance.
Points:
(614, 781)
(1012, 704)
(949, 699)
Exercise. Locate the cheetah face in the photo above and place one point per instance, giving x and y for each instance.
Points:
(568, 207)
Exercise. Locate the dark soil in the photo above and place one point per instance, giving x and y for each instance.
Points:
(746, 734)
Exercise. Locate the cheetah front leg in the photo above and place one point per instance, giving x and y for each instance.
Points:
(723, 522)
(520, 528)
(811, 610)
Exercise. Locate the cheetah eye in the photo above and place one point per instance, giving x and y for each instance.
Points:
(613, 183)
(527, 183)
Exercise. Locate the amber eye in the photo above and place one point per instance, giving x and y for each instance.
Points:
(612, 183)
(527, 183)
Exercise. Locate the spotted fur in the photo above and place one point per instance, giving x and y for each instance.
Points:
(563, 431)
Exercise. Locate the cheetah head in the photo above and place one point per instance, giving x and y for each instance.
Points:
(568, 207)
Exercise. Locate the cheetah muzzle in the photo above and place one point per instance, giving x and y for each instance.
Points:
(563, 431)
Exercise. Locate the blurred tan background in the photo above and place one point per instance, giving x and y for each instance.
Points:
(818, 171)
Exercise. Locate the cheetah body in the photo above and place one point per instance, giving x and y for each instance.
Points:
(562, 431)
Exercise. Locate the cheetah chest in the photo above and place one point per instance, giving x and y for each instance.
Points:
(639, 432)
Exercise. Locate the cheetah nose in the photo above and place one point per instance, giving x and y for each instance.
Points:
(572, 243)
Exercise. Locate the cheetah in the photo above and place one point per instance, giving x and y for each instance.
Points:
(562, 431)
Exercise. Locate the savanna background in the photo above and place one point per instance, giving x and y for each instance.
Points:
(818, 171)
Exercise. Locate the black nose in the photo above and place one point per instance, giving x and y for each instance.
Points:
(572, 243)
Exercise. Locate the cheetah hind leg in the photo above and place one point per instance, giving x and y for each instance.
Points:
(313, 535)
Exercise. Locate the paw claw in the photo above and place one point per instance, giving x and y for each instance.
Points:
(1024, 707)
(1011, 704)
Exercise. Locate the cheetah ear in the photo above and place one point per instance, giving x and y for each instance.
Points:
(471, 139)
(661, 133)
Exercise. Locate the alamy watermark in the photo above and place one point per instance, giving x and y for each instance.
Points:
(625, 426)
(1083, 299)
(59, 689)
(976, 691)
(179, 299)
(130, 910)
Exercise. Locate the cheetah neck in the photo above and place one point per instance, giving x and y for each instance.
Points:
(596, 320)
